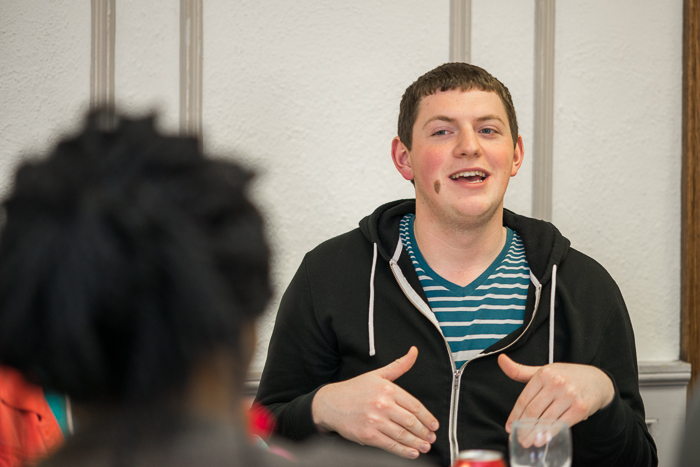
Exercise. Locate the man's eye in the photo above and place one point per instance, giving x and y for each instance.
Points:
(440, 133)
(488, 131)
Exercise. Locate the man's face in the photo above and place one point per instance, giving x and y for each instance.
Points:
(462, 157)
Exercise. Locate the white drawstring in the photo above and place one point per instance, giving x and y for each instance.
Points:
(370, 322)
(552, 295)
(69, 415)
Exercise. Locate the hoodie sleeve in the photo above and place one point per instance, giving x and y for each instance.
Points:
(616, 435)
(301, 358)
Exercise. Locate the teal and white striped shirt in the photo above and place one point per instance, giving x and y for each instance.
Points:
(474, 317)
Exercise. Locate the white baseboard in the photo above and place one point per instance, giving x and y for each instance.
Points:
(663, 386)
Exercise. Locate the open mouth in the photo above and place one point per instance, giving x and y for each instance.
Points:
(471, 176)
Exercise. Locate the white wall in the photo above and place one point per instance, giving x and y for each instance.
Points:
(617, 146)
(308, 92)
(44, 75)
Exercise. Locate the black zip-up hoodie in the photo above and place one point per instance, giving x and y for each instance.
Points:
(356, 305)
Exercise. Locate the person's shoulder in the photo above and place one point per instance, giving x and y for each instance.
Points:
(350, 238)
(344, 247)
(584, 260)
(582, 265)
(590, 285)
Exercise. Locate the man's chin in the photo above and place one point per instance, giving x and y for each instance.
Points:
(474, 212)
(475, 215)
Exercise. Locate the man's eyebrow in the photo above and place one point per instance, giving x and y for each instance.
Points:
(447, 119)
(442, 118)
(490, 117)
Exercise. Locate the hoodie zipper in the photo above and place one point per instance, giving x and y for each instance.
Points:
(454, 407)
(425, 310)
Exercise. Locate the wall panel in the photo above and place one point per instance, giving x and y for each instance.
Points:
(617, 148)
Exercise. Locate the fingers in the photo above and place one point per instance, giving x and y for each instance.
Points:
(570, 392)
(405, 429)
(516, 371)
(406, 413)
(537, 433)
(371, 409)
(541, 398)
(417, 419)
(406, 441)
(392, 439)
(400, 366)
(523, 402)
(397, 427)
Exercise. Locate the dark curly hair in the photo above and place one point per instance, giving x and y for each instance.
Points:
(126, 255)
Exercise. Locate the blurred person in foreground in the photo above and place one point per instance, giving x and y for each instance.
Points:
(132, 270)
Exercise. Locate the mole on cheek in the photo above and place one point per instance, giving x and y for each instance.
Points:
(437, 185)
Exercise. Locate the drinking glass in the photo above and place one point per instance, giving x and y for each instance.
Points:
(540, 443)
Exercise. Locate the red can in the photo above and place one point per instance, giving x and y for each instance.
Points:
(479, 458)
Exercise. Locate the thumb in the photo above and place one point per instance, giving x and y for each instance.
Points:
(400, 366)
(516, 371)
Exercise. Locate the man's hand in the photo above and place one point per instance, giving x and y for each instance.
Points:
(370, 409)
(565, 391)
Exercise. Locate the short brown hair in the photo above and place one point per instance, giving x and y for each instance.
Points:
(454, 75)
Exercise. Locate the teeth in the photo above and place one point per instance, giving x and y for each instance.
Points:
(470, 173)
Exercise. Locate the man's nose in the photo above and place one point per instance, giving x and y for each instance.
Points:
(468, 144)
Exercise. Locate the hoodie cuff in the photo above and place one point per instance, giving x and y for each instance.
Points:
(300, 422)
(607, 423)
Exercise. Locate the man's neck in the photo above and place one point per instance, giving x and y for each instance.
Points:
(459, 253)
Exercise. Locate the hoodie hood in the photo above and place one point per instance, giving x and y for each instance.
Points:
(545, 248)
(382, 226)
(544, 245)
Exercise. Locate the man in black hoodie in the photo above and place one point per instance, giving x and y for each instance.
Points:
(444, 276)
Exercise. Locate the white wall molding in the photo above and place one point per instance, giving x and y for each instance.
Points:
(103, 32)
(191, 38)
(544, 110)
(460, 30)
(664, 386)
(664, 373)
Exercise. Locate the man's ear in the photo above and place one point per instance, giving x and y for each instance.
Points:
(518, 154)
(400, 156)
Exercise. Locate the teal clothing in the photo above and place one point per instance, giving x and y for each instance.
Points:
(58, 405)
(474, 317)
